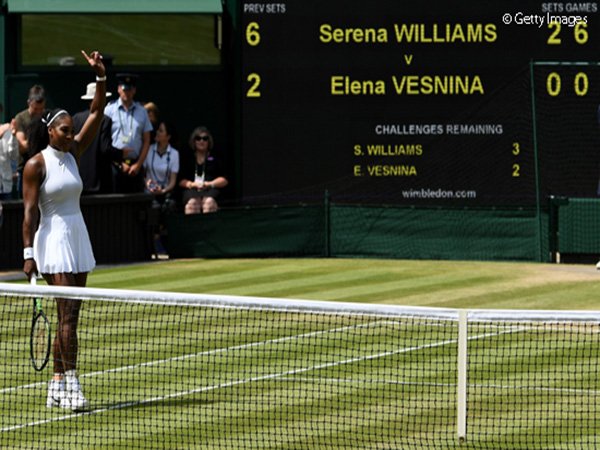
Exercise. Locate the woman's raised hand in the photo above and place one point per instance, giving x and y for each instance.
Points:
(95, 61)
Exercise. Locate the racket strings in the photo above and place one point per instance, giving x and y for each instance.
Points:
(40, 341)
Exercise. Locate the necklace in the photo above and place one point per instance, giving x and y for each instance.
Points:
(199, 175)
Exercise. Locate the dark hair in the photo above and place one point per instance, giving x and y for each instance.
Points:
(196, 132)
(37, 135)
(171, 131)
(169, 127)
(37, 132)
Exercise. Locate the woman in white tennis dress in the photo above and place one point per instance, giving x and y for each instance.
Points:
(60, 248)
(61, 243)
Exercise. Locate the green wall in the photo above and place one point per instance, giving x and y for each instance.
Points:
(361, 231)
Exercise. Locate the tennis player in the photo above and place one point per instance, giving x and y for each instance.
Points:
(60, 248)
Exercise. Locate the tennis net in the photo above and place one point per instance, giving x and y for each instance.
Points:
(167, 370)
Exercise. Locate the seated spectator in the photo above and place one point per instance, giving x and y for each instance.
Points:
(201, 177)
(161, 168)
(9, 156)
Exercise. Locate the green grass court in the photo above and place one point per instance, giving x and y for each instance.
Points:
(218, 378)
(454, 284)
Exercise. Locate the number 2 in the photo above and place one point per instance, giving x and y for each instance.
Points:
(516, 170)
(253, 91)
(553, 39)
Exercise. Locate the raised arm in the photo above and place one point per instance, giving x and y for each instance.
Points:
(91, 126)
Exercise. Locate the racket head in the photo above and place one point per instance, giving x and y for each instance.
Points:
(40, 341)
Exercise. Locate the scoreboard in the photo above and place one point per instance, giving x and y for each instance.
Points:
(439, 102)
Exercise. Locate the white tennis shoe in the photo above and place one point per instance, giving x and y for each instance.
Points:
(56, 393)
(73, 398)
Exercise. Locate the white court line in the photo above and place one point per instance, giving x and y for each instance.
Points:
(250, 380)
(200, 354)
(593, 392)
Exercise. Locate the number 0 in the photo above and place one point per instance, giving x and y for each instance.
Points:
(581, 84)
(553, 83)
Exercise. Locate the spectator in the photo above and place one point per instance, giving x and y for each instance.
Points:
(201, 177)
(95, 164)
(36, 103)
(9, 155)
(131, 129)
(154, 116)
(161, 169)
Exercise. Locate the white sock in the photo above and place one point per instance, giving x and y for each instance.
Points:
(59, 383)
(71, 377)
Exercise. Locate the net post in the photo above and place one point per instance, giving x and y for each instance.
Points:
(461, 418)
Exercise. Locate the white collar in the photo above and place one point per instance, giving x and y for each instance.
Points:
(165, 153)
(56, 152)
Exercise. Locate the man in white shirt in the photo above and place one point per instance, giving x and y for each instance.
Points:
(131, 129)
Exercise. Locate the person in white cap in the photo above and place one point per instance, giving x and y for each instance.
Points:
(96, 163)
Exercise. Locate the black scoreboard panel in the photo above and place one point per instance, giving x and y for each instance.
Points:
(399, 102)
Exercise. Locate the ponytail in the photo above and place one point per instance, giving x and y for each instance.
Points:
(37, 135)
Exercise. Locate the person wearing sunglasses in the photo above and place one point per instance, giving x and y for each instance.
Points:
(202, 178)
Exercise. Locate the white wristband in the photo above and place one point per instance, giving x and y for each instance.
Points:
(101, 78)
(28, 253)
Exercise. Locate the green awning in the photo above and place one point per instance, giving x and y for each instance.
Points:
(114, 6)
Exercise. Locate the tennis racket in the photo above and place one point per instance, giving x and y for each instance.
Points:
(40, 334)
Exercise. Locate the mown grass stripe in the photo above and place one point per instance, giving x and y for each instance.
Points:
(238, 416)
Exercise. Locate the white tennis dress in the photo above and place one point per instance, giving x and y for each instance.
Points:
(61, 243)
